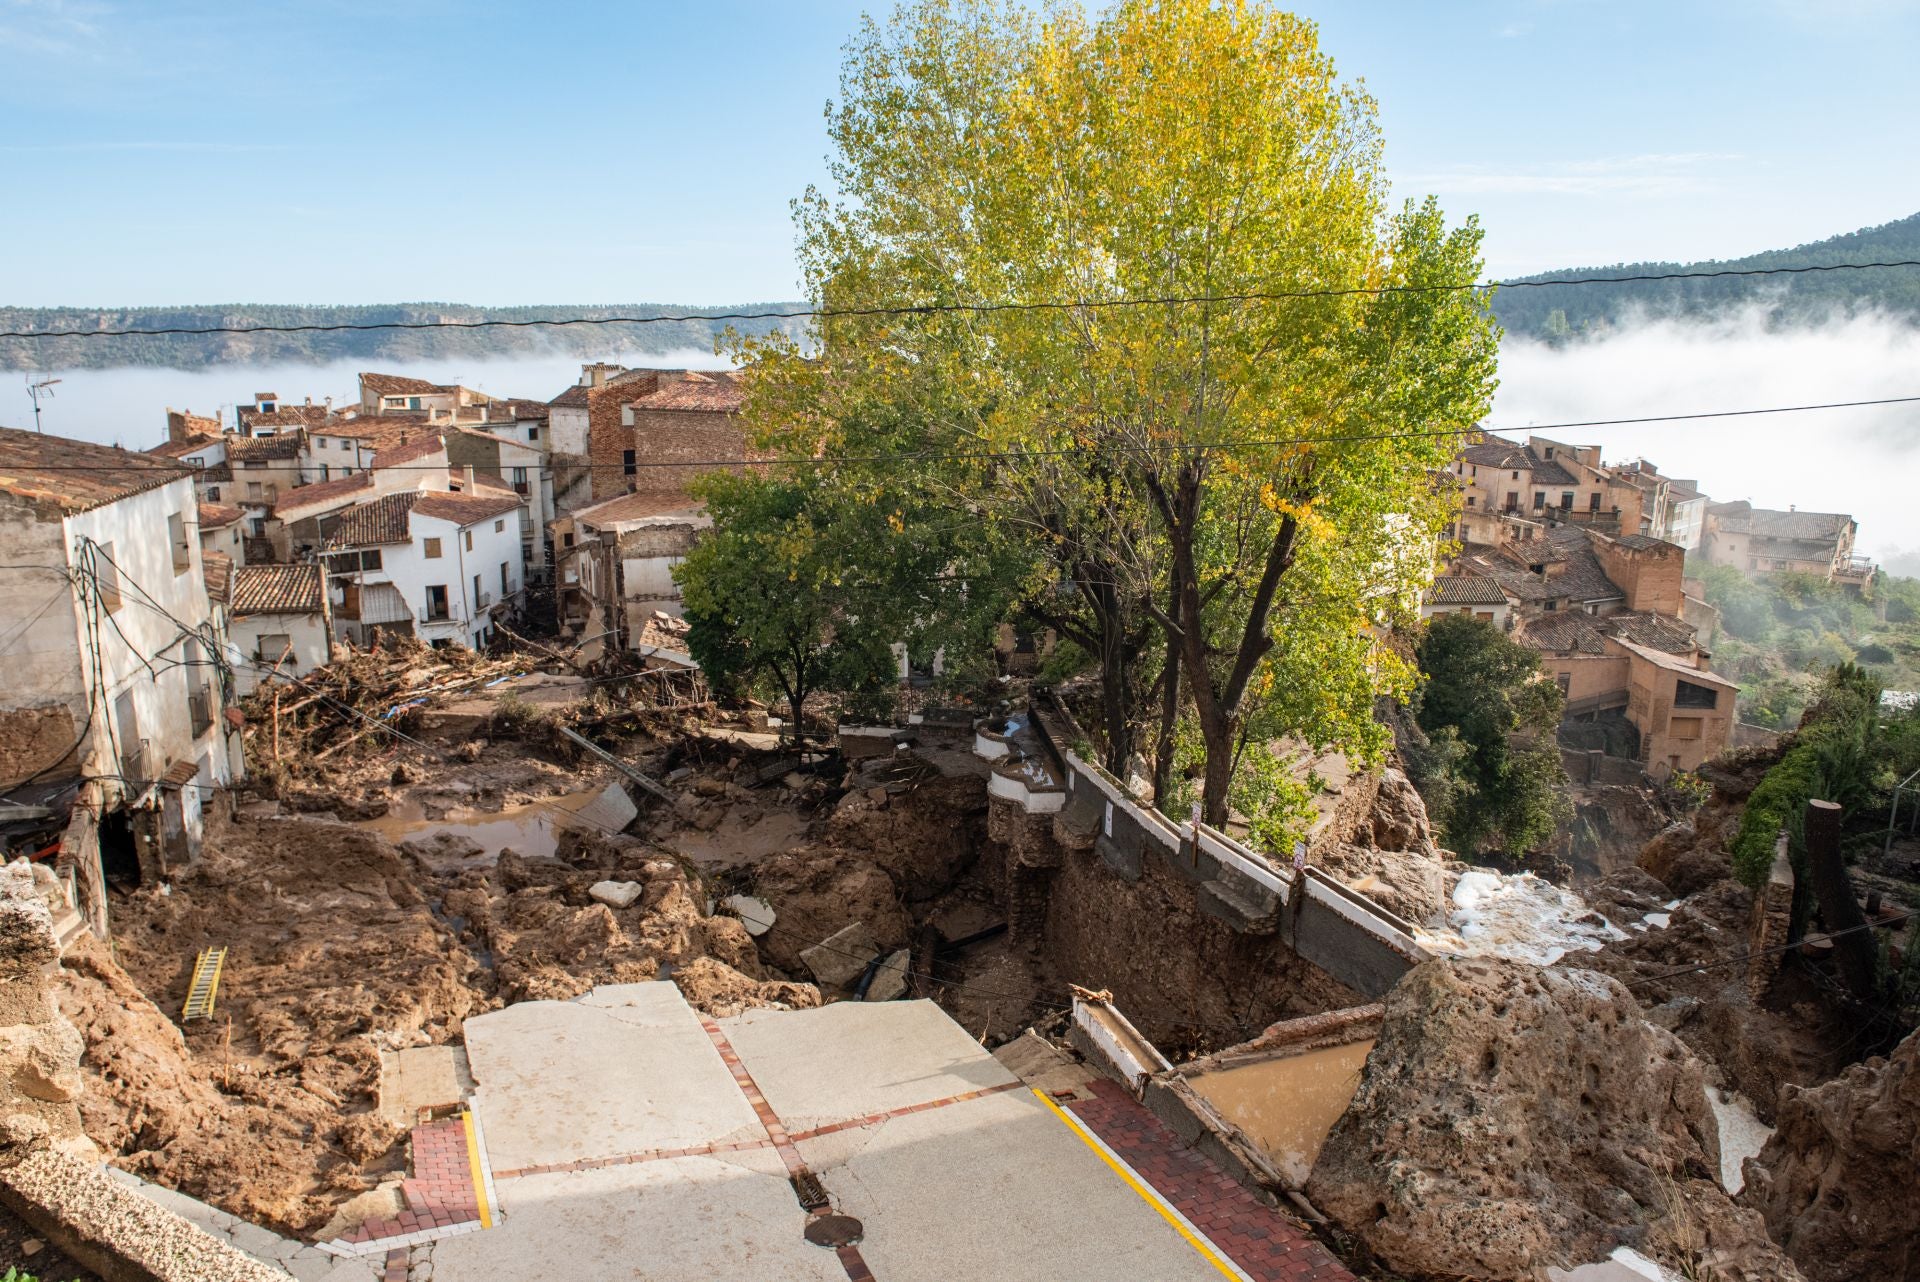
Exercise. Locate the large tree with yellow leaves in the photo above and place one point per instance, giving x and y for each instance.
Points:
(1187, 384)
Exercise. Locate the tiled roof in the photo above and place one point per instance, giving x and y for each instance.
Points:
(283, 416)
(495, 437)
(465, 509)
(77, 476)
(1465, 589)
(217, 516)
(180, 449)
(379, 430)
(709, 393)
(217, 569)
(1563, 632)
(1496, 451)
(1548, 471)
(1770, 523)
(379, 521)
(340, 489)
(398, 385)
(411, 451)
(285, 445)
(573, 396)
(516, 408)
(1658, 631)
(1683, 666)
(638, 507)
(1566, 631)
(1641, 542)
(278, 589)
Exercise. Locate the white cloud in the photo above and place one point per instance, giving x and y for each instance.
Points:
(1659, 173)
(1853, 460)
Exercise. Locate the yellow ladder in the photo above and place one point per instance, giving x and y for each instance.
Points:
(206, 982)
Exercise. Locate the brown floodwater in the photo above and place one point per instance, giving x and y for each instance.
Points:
(528, 829)
(1286, 1106)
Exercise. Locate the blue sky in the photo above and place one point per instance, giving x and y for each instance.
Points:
(173, 152)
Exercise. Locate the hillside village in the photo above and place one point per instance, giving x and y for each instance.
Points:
(1083, 749)
(296, 627)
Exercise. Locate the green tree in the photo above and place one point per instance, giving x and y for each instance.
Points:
(803, 587)
(1483, 697)
(1208, 502)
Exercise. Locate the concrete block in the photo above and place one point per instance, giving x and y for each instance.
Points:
(616, 894)
(611, 811)
(841, 958)
(890, 981)
(756, 915)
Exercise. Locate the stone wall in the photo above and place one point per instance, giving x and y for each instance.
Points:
(655, 437)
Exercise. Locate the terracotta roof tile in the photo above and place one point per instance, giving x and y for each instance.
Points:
(278, 589)
(575, 396)
(412, 451)
(638, 507)
(217, 516)
(217, 569)
(399, 385)
(283, 416)
(371, 524)
(340, 489)
(285, 445)
(696, 392)
(1770, 523)
(465, 509)
(180, 449)
(77, 476)
(1465, 589)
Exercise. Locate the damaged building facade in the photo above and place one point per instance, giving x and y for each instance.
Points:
(113, 697)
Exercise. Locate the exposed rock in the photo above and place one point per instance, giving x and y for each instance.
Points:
(1399, 820)
(841, 958)
(443, 848)
(1406, 883)
(616, 894)
(890, 980)
(927, 839)
(1512, 1118)
(1837, 1181)
(755, 914)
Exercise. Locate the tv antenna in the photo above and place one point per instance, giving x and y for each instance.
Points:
(38, 391)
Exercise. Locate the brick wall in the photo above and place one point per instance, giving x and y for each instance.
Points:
(1651, 577)
(183, 425)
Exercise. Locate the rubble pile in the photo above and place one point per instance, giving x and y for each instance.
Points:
(1511, 1118)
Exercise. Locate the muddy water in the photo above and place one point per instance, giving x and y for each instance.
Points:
(528, 829)
(1287, 1106)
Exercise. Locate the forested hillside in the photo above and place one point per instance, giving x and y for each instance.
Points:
(389, 345)
(1555, 315)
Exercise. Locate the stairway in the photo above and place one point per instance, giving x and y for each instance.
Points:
(68, 926)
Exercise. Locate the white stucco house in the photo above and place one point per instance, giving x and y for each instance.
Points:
(279, 626)
(112, 675)
(439, 566)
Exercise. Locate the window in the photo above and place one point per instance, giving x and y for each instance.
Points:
(1688, 695)
(1539, 499)
(177, 540)
(1593, 501)
(566, 540)
(326, 473)
(506, 580)
(533, 434)
(500, 526)
(1565, 681)
(268, 407)
(1551, 606)
(479, 596)
(436, 602)
(274, 646)
(106, 577)
(431, 551)
(197, 461)
(413, 402)
(1469, 500)
(1686, 727)
(469, 536)
(1566, 500)
(1516, 476)
(627, 463)
(259, 527)
(253, 463)
(396, 402)
(213, 494)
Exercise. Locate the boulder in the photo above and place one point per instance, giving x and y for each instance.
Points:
(616, 894)
(1399, 820)
(1411, 885)
(841, 958)
(1837, 1180)
(1511, 1119)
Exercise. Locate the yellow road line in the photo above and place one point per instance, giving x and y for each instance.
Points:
(473, 1165)
(1149, 1196)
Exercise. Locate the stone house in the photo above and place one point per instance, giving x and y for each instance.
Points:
(654, 431)
(1760, 540)
(504, 453)
(278, 622)
(399, 394)
(614, 564)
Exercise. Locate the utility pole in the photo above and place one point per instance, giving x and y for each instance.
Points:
(36, 391)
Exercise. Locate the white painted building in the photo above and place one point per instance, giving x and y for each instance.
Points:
(614, 563)
(111, 672)
(440, 566)
(279, 626)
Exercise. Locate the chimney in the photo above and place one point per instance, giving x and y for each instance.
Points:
(309, 402)
(470, 480)
(1792, 508)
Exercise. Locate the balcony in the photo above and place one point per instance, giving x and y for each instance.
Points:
(482, 601)
(432, 615)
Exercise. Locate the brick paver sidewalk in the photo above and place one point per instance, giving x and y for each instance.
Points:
(440, 1192)
(1266, 1245)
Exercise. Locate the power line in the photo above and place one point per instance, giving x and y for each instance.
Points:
(1737, 958)
(934, 456)
(931, 309)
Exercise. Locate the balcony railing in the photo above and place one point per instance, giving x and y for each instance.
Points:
(431, 615)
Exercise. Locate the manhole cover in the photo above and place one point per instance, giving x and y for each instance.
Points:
(834, 1230)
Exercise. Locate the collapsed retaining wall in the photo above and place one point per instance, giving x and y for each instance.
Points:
(50, 1173)
(1194, 933)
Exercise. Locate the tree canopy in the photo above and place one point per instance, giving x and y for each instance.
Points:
(1219, 489)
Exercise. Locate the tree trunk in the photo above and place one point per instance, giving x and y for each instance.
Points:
(1859, 959)
(1169, 723)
